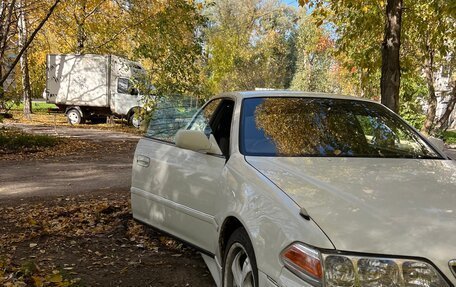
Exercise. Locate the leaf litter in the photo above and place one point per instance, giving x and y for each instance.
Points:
(73, 240)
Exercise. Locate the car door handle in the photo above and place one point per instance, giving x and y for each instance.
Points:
(143, 160)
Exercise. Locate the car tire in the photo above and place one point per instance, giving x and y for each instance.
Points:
(239, 264)
(74, 117)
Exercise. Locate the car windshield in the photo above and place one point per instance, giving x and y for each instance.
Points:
(324, 127)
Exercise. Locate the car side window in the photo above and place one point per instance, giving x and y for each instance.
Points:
(215, 119)
(201, 122)
(221, 126)
(170, 114)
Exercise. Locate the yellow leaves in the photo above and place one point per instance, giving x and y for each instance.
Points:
(55, 278)
(365, 9)
(74, 217)
(71, 218)
(38, 281)
(303, 2)
(33, 222)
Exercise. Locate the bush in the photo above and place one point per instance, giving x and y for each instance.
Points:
(13, 140)
(449, 137)
(412, 113)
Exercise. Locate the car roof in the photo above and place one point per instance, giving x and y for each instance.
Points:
(285, 93)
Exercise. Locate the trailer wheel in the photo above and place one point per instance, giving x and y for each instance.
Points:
(74, 117)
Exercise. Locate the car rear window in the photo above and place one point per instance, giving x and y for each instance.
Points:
(324, 127)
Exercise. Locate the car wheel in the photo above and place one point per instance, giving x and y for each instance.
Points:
(74, 117)
(239, 268)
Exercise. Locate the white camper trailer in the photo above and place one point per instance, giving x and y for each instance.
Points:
(88, 87)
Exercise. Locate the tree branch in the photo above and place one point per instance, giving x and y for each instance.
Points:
(94, 10)
(29, 41)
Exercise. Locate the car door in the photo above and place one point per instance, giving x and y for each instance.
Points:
(175, 189)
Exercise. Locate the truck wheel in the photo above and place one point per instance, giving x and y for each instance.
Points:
(74, 117)
(135, 120)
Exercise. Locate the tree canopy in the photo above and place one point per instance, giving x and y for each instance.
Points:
(200, 48)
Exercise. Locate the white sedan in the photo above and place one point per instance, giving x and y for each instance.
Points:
(280, 188)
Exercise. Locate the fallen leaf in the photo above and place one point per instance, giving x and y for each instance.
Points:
(38, 281)
(55, 278)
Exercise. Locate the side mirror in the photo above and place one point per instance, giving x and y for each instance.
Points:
(197, 141)
(192, 140)
(438, 143)
(134, 92)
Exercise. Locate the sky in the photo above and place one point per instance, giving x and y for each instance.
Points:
(290, 2)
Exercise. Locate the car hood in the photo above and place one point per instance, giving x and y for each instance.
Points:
(385, 206)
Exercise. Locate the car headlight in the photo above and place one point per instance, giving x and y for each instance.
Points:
(345, 270)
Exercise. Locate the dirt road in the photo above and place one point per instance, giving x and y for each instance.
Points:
(69, 218)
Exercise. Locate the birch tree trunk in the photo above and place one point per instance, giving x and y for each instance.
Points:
(2, 9)
(391, 69)
(26, 90)
(442, 123)
(432, 100)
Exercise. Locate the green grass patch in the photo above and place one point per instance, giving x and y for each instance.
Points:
(13, 140)
(449, 137)
(36, 107)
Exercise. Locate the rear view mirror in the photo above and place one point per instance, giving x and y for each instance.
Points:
(438, 143)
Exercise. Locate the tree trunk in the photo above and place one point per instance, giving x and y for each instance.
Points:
(81, 35)
(391, 70)
(6, 10)
(432, 100)
(1, 58)
(26, 90)
(442, 123)
(1, 89)
(81, 38)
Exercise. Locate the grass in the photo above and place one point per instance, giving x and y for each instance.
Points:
(13, 140)
(36, 107)
(449, 137)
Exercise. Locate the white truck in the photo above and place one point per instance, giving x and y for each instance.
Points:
(92, 87)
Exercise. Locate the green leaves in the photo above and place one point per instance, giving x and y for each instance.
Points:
(249, 45)
(169, 41)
